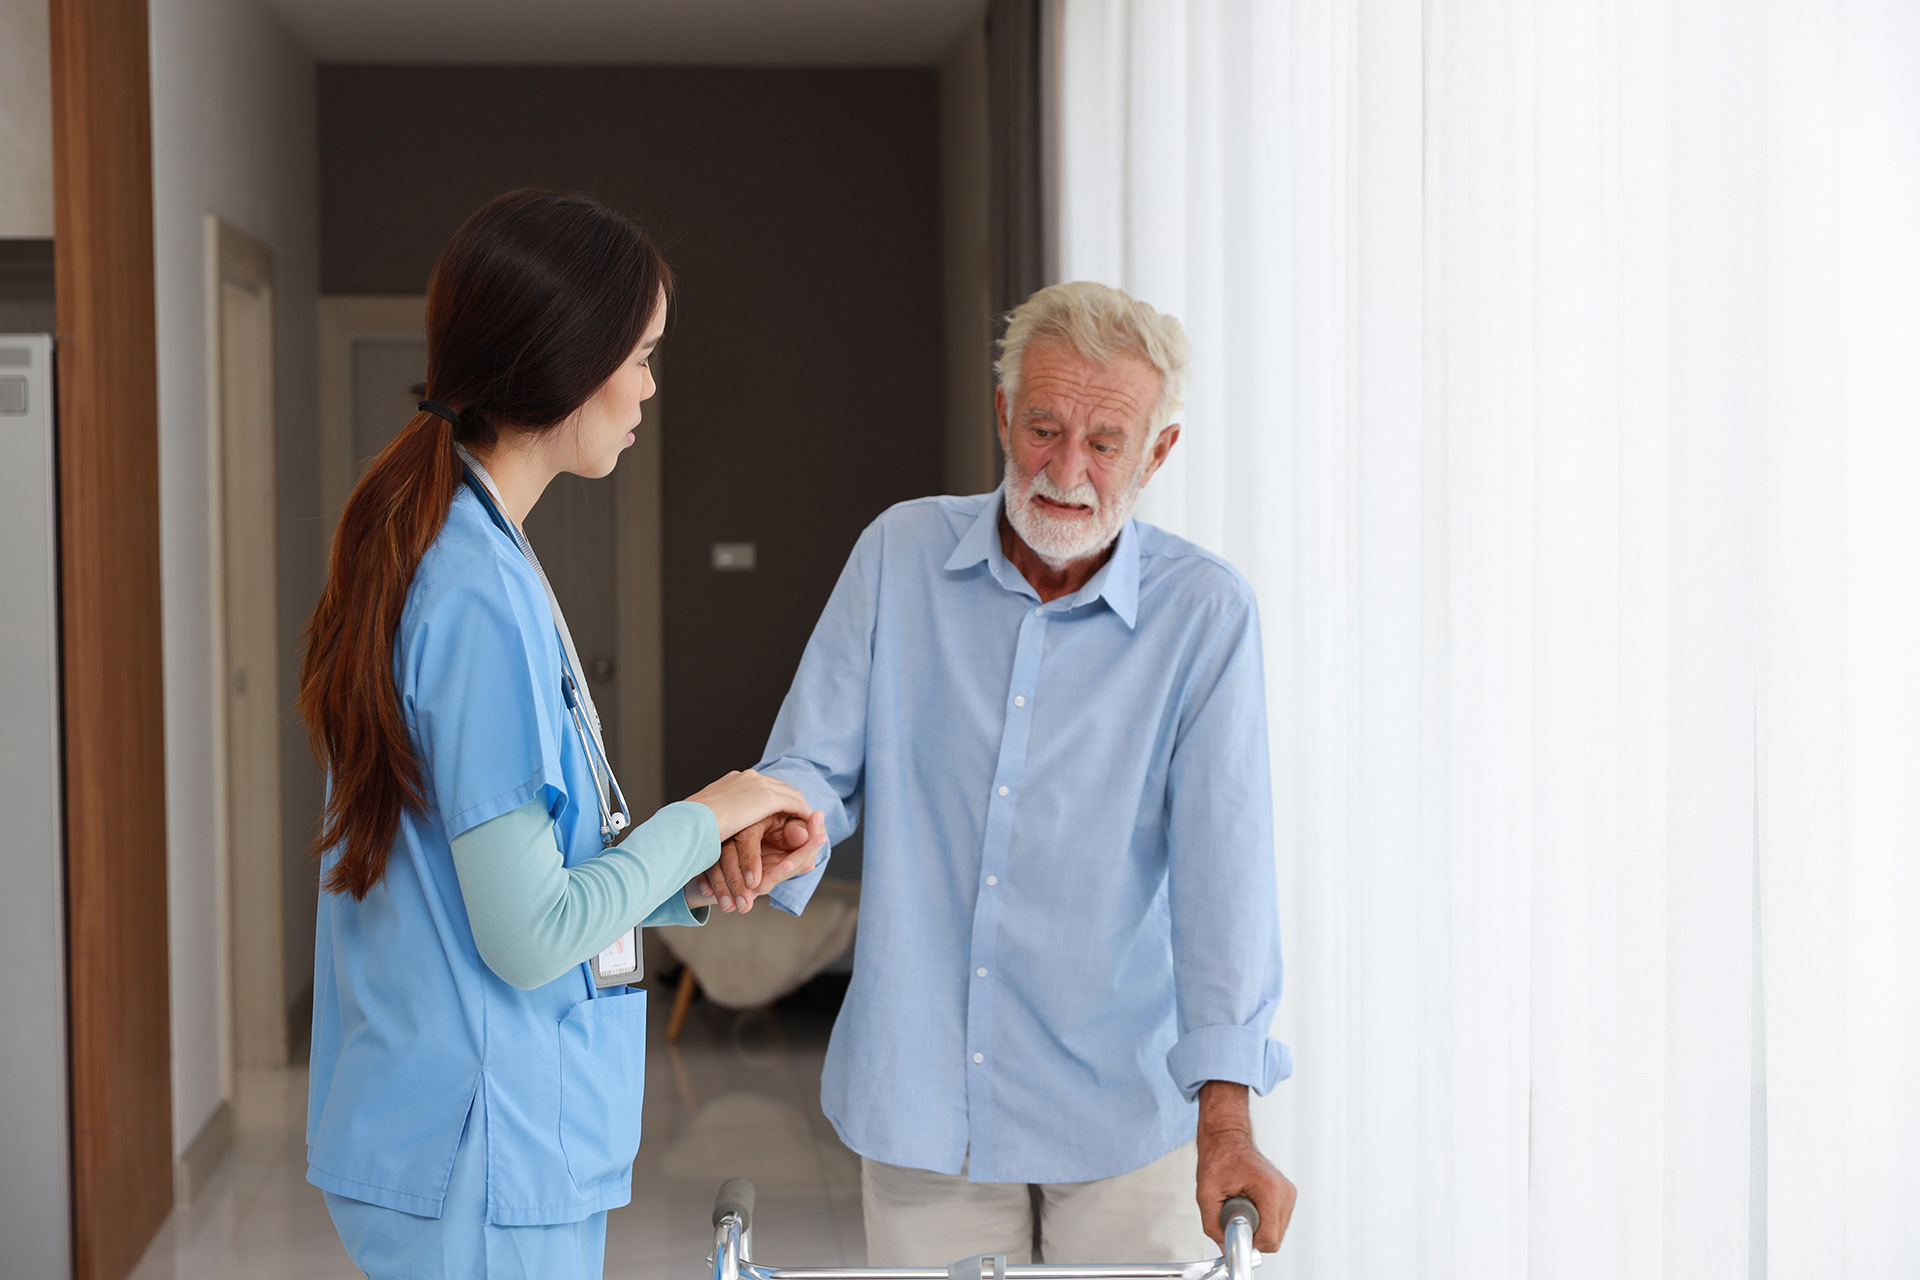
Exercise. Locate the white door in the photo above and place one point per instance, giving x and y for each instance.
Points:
(249, 646)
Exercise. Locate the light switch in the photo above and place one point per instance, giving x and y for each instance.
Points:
(732, 556)
(13, 399)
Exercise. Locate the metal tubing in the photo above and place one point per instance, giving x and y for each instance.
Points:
(1204, 1270)
(1014, 1272)
(1239, 1252)
(726, 1249)
(732, 1244)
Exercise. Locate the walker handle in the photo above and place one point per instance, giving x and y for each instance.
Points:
(736, 1197)
(1238, 1206)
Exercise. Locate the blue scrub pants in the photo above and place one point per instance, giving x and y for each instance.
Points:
(389, 1244)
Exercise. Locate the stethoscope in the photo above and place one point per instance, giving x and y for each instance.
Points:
(614, 814)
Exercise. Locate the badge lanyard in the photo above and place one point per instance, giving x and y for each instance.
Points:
(619, 964)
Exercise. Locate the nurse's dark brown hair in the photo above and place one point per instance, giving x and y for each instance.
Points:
(533, 305)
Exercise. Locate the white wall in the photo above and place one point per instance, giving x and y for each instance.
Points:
(26, 121)
(233, 134)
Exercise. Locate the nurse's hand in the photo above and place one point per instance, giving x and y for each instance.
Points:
(745, 796)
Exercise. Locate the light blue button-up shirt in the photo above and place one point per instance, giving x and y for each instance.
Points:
(1068, 918)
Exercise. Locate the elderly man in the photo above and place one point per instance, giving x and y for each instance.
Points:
(1052, 717)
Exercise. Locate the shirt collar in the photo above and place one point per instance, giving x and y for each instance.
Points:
(981, 539)
(1117, 582)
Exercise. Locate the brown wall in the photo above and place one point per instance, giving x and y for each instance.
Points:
(804, 370)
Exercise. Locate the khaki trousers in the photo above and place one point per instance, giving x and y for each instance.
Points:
(921, 1219)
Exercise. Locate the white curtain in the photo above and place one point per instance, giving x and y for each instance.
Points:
(1558, 388)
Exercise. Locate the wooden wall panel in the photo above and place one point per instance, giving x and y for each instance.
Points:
(110, 607)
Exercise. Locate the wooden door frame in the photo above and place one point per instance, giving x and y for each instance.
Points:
(110, 604)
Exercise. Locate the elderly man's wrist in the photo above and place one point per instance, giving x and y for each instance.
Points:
(1223, 1109)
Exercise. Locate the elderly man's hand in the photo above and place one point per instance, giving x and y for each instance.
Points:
(1230, 1165)
(765, 854)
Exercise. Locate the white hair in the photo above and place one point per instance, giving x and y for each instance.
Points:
(1096, 321)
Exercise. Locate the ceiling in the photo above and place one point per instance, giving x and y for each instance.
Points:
(710, 32)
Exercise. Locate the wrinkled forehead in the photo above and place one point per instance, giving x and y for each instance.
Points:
(1060, 383)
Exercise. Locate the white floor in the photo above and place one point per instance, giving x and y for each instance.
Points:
(738, 1096)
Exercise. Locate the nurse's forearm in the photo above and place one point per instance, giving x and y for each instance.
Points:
(534, 918)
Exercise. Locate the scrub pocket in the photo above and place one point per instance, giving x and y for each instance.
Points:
(603, 1061)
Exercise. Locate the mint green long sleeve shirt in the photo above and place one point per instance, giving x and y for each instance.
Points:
(534, 917)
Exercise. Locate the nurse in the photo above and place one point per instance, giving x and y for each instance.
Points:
(477, 1064)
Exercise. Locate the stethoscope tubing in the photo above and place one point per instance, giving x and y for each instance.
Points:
(615, 817)
(614, 814)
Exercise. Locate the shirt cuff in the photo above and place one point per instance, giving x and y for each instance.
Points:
(1239, 1055)
(792, 896)
(675, 911)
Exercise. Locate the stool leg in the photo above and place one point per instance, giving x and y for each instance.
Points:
(682, 1001)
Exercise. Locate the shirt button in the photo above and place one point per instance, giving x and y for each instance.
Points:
(979, 1057)
(1039, 613)
(1019, 701)
(981, 972)
(1003, 791)
(992, 880)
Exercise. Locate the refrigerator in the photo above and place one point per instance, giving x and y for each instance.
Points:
(35, 1210)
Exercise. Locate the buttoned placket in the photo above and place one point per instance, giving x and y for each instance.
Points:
(989, 897)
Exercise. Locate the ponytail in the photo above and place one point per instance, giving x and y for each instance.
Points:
(347, 694)
(533, 305)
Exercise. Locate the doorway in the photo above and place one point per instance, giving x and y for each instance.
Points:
(247, 652)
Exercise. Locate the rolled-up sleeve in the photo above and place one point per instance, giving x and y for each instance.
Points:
(1221, 885)
(819, 741)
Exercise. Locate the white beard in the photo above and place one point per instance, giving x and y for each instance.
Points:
(1060, 542)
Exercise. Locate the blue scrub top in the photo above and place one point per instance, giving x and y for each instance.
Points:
(410, 1027)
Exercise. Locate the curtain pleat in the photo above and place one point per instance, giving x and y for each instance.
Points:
(1557, 385)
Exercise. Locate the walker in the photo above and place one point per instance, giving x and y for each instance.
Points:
(733, 1246)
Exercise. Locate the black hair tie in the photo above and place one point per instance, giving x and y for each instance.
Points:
(439, 410)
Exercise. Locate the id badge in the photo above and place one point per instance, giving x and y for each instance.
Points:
(619, 964)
